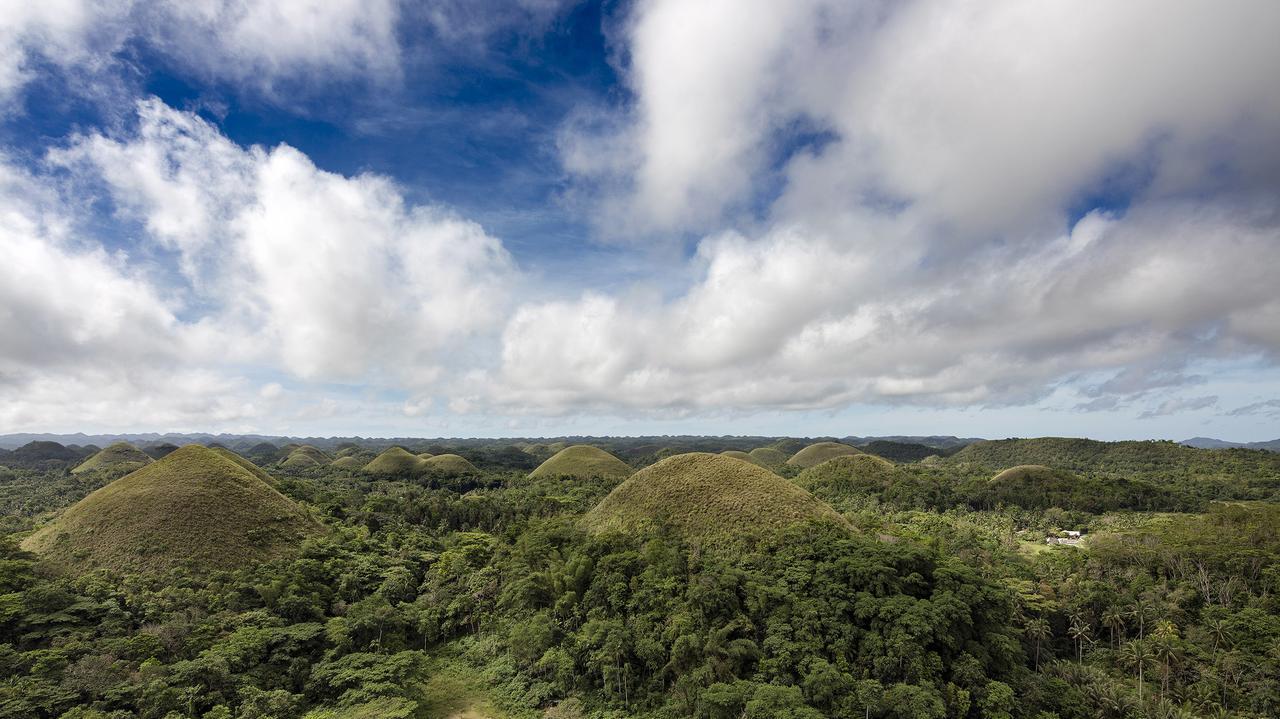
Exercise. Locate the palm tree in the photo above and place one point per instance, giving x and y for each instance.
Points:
(1137, 654)
(1166, 647)
(1219, 633)
(1141, 610)
(1113, 619)
(1038, 630)
(1079, 631)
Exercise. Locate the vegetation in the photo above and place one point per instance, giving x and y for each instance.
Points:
(193, 508)
(816, 454)
(701, 495)
(582, 461)
(842, 478)
(728, 591)
(119, 457)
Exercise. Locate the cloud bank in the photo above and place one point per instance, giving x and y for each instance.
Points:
(928, 249)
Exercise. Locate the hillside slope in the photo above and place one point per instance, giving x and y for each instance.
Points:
(195, 507)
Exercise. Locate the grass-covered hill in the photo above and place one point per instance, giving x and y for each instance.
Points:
(708, 496)
(744, 456)
(348, 462)
(1034, 486)
(305, 457)
(395, 460)
(264, 453)
(196, 507)
(583, 461)
(770, 457)
(448, 464)
(847, 476)
(44, 454)
(120, 456)
(816, 454)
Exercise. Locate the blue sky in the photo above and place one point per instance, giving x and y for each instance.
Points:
(539, 217)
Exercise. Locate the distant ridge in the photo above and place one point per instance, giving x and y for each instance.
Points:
(1211, 443)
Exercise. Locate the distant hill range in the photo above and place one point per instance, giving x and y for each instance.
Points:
(1211, 443)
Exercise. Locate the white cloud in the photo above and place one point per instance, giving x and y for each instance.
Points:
(800, 321)
(922, 254)
(285, 269)
(60, 32)
(332, 277)
(88, 340)
(985, 116)
(255, 43)
(262, 42)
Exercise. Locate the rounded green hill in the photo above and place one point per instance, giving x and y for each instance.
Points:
(705, 495)
(583, 461)
(395, 460)
(816, 454)
(768, 457)
(117, 457)
(196, 507)
(347, 462)
(1025, 473)
(847, 476)
(305, 457)
(448, 464)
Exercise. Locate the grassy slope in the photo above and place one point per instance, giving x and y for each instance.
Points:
(769, 457)
(745, 457)
(816, 454)
(848, 475)
(118, 456)
(449, 464)
(196, 506)
(583, 461)
(305, 457)
(395, 460)
(707, 495)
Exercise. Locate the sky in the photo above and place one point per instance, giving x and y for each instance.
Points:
(542, 217)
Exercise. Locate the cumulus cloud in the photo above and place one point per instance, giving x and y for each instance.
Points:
(332, 277)
(258, 43)
(985, 116)
(284, 267)
(798, 320)
(929, 250)
(89, 339)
